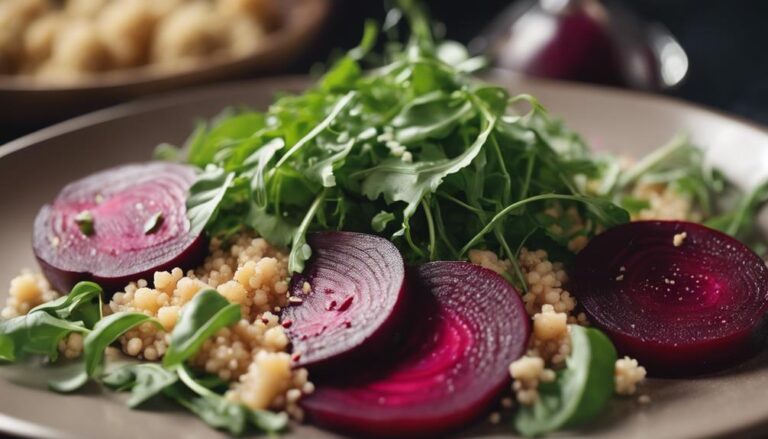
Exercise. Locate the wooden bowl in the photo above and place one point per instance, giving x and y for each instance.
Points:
(27, 103)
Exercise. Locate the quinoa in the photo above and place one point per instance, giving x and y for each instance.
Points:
(551, 308)
(26, 291)
(252, 353)
(528, 371)
(250, 272)
(679, 238)
(628, 375)
(665, 203)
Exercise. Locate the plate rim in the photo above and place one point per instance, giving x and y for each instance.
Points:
(23, 428)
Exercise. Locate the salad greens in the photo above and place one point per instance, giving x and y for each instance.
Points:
(414, 149)
(580, 390)
(205, 314)
(418, 150)
(39, 332)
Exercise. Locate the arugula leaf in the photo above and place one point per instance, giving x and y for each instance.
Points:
(205, 143)
(300, 250)
(220, 413)
(608, 213)
(106, 332)
(206, 195)
(205, 314)
(740, 222)
(380, 221)
(74, 379)
(410, 182)
(37, 333)
(144, 380)
(83, 303)
(581, 389)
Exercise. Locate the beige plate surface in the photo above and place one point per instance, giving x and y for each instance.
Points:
(33, 168)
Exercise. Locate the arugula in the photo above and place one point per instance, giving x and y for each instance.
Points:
(83, 303)
(205, 314)
(414, 149)
(580, 391)
(37, 333)
(206, 195)
(219, 412)
(144, 380)
(106, 332)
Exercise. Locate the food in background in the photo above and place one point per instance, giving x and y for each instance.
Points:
(67, 40)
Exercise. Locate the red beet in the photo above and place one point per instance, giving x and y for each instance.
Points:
(355, 301)
(469, 324)
(679, 309)
(118, 225)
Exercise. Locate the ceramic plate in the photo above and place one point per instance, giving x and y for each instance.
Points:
(33, 169)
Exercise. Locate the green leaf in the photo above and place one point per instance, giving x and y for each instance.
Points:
(37, 333)
(740, 222)
(258, 162)
(83, 303)
(300, 251)
(205, 314)
(106, 332)
(84, 221)
(410, 182)
(205, 197)
(144, 380)
(380, 221)
(605, 211)
(204, 144)
(218, 412)
(580, 391)
(430, 116)
(153, 223)
(69, 383)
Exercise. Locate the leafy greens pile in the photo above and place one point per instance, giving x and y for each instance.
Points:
(414, 149)
(417, 150)
(39, 332)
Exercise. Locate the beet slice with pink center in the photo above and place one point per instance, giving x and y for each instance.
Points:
(680, 297)
(117, 226)
(352, 299)
(468, 324)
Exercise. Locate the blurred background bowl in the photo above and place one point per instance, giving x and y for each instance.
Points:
(30, 103)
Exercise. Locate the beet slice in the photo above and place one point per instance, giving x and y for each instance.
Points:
(117, 226)
(352, 299)
(680, 304)
(469, 325)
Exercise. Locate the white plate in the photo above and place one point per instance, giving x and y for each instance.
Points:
(32, 170)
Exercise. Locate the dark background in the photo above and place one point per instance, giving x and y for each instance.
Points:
(725, 41)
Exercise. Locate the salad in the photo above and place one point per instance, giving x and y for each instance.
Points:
(400, 250)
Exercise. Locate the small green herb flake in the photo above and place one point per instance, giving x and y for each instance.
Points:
(153, 223)
(84, 221)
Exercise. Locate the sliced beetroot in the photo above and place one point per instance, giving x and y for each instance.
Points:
(352, 299)
(679, 297)
(118, 225)
(468, 325)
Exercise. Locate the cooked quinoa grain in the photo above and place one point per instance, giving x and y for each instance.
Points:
(665, 203)
(250, 354)
(628, 375)
(678, 239)
(528, 372)
(26, 291)
(250, 272)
